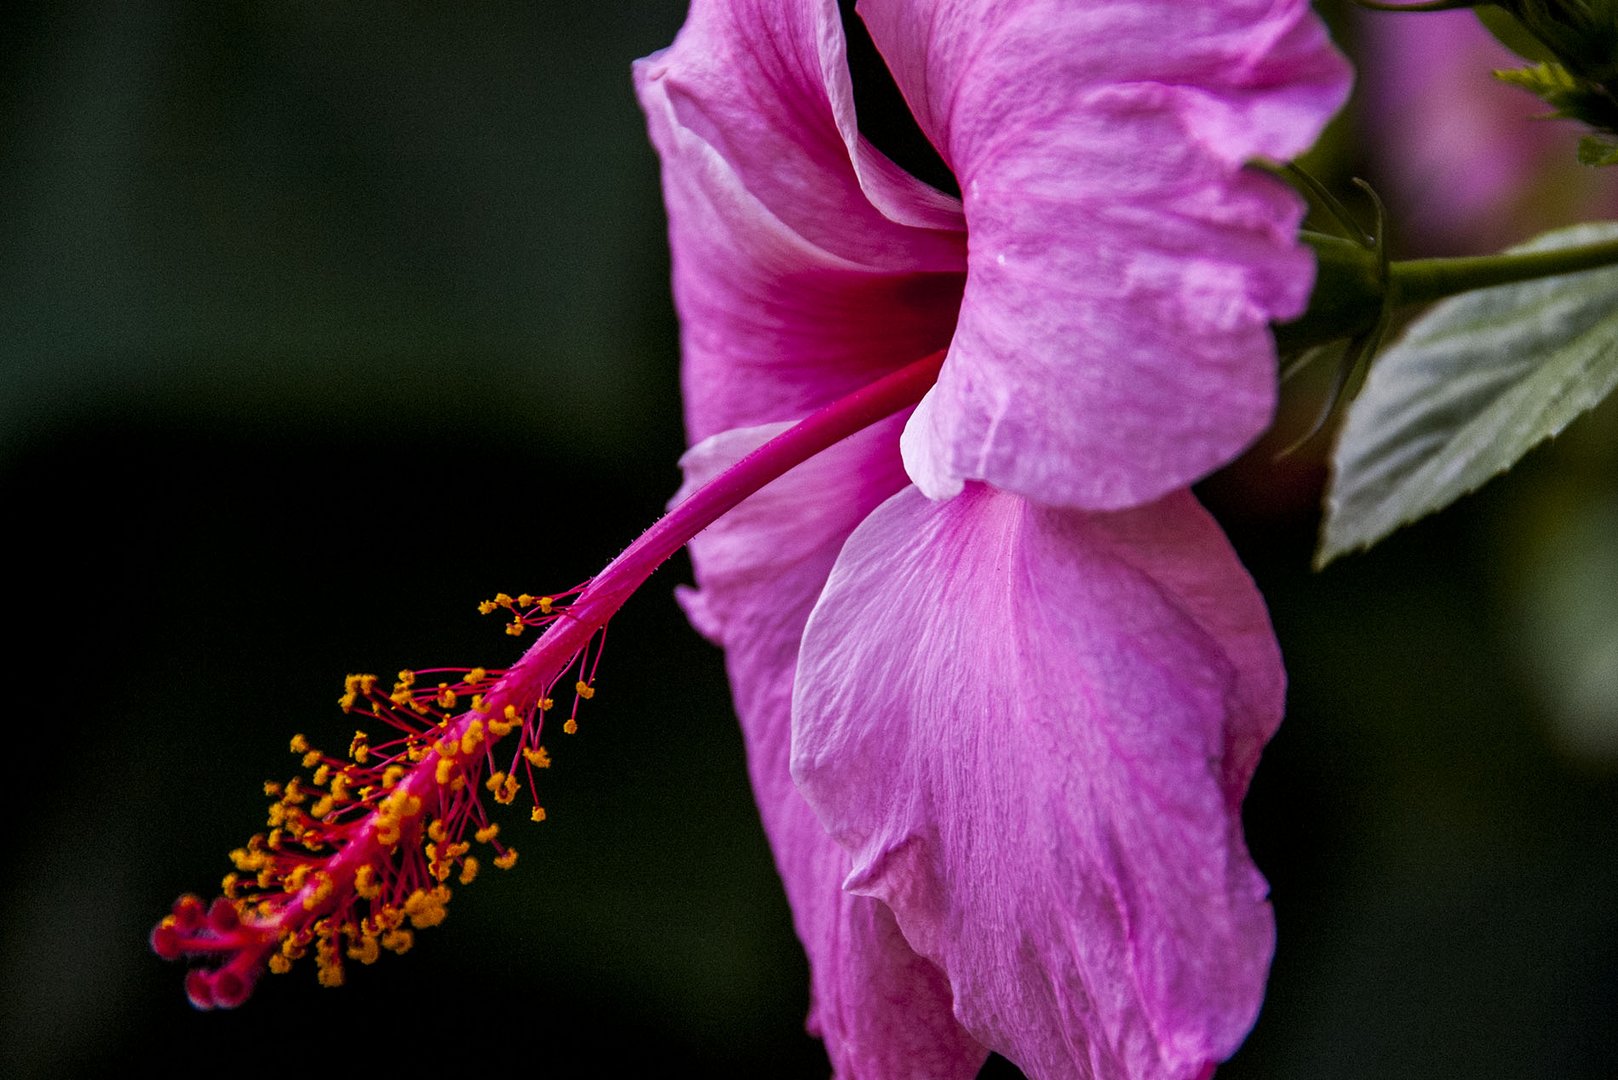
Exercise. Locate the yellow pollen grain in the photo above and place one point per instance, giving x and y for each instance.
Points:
(487, 833)
(571, 727)
(508, 860)
(279, 965)
(494, 781)
(300, 745)
(476, 675)
(437, 832)
(446, 768)
(508, 792)
(537, 757)
(545, 704)
(584, 690)
(469, 870)
(537, 814)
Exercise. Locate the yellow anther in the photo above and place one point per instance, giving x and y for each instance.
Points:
(508, 860)
(271, 789)
(537, 814)
(391, 776)
(279, 965)
(472, 738)
(476, 675)
(494, 781)
(324, 806)
(407, 678)
(248, 861)
(311, 759)
(365, 950)
(365, 883)
(447, 748)
(367, 683)
(584, 690)
(499, 728)
(545, 704)
(446, 769)
(508, 792)
(321, 892)
(446, 696)
(571, 727)
(502, 599)
(510, 714)
(339, 787)
(478, 704)
(295, 880)
(486, 607)
(459, 783)
(322, 775)
(525, 600)
(545, 603)
(300, 745)
(469, 870)
(514, 627)
(436, 832)
(229, 884)
(426, 908)
(273, 842)
(398, 941)
(360, 747)
(537, 757)
(487, 833)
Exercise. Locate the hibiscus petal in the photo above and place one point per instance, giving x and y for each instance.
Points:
(795, 284)
(1055, 823)
(1113, 341)
(883, 1011)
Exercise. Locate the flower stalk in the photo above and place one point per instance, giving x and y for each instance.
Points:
(385, 828)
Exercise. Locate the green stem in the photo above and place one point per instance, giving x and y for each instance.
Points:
(1421, 281)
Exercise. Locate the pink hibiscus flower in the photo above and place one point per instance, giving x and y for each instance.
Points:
(1002, 680)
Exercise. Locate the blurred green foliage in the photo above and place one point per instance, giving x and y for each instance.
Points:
(319, 323)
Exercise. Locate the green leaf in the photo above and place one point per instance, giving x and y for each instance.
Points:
(1473, 385)
(1597, 151)
(1572, 96)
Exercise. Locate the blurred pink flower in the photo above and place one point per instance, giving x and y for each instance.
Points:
(1002, 680)
(1467, 163)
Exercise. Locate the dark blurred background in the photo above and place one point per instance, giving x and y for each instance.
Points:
(318, 324)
